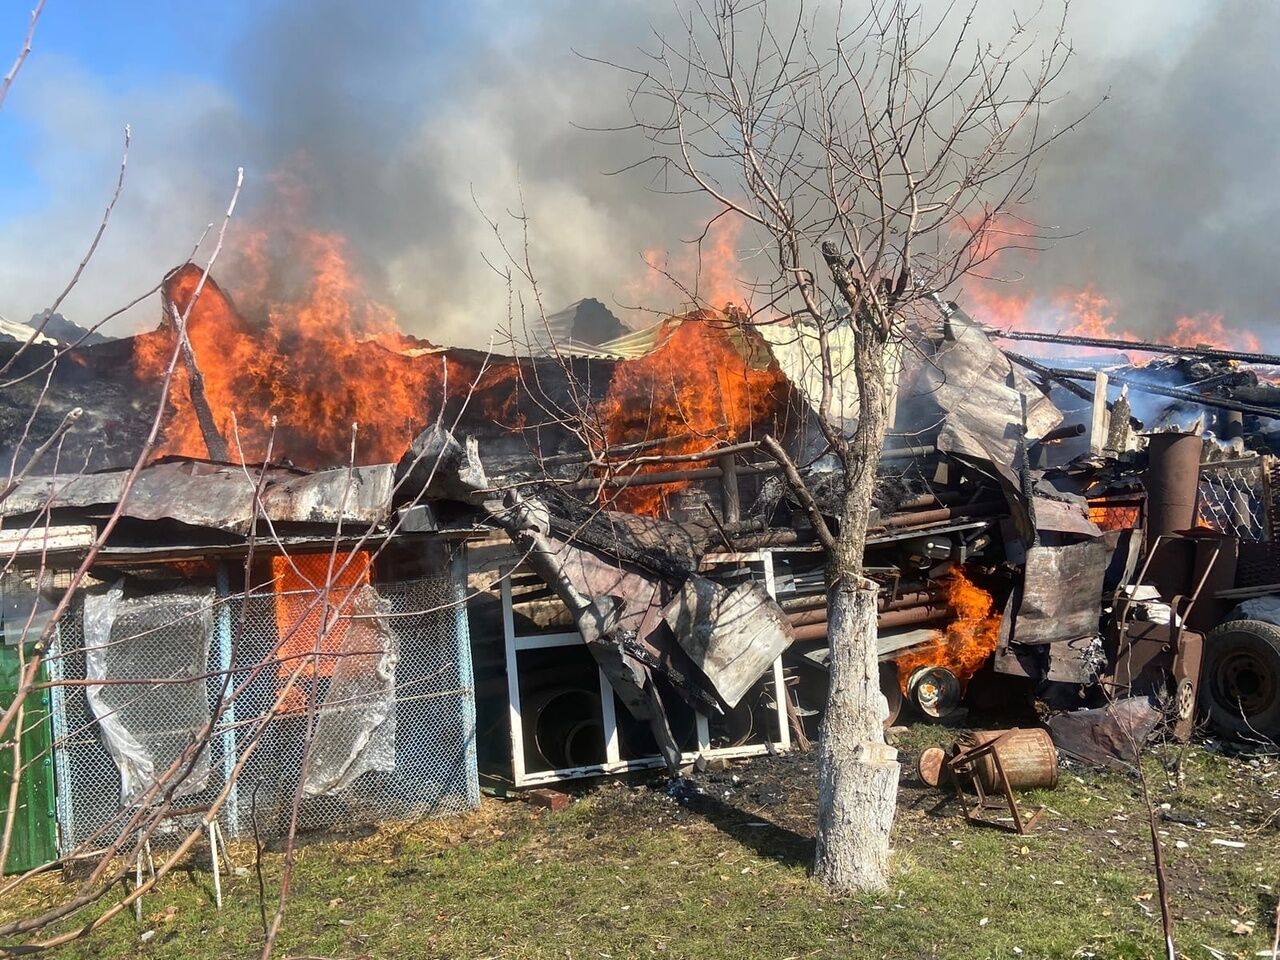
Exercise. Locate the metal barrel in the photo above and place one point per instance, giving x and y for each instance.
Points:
(1027, 756)
(1172, 482)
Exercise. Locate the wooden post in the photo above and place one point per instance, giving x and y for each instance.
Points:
(1098, 424)
(730, 503)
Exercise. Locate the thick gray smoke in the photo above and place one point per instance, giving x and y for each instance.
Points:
(400, 117)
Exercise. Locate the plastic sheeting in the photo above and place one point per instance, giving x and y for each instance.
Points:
(1266, 609)
(131, 645)
(355, 730)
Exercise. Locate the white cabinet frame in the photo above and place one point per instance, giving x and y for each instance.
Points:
(614, 762)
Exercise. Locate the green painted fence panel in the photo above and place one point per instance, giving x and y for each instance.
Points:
(35, 827)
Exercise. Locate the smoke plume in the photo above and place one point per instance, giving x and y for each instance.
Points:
(405, 120)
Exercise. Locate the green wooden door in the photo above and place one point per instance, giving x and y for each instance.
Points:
(35, 831)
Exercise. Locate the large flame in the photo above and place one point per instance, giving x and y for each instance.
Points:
(319, 363)
(1076, 312)
(706, 274)
(709, 381)
(968, 640)
(304, 343)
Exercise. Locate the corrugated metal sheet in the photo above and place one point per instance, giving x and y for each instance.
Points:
(216, 496)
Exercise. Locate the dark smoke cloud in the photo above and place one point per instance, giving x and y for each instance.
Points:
(394, 114)
(1171, 183)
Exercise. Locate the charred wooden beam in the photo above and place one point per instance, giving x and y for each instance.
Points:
(1176, 393)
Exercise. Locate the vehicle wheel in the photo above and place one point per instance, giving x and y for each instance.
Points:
(1240, 680)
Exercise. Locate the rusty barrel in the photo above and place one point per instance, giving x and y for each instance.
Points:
(1027, 756)
(1172, 481)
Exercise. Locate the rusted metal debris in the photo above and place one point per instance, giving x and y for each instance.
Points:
(1108, 736)
(993, 764)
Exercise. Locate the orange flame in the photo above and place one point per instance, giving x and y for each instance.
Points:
(968, 640)
(300, 582)
(1083, 312)
(1087, 313)
(319, 364)
(305, 343)
(709, 381)
(709, 272)
(1112, 516)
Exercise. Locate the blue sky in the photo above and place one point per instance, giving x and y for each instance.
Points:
(123, 47)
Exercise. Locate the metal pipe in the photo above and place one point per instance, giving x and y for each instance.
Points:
(916, 598)
(900, 616)
(1062, 433)
(1142, 346)
(909, 453)
(912, 615)
(817, 629)
(925, 517)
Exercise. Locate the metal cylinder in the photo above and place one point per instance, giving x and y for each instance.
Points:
(1063, 433)
(1028, 758)
(925, 613)
(812, 624)
(1230, 424)
(1172, 481)
(922, 518)
(935, 691)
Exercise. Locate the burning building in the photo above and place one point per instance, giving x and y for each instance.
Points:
(595, 527)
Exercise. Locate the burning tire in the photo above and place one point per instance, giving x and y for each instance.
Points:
(1240, 680)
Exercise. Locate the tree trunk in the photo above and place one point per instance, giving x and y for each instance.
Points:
(857, 771)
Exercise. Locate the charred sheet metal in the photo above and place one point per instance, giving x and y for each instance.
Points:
(981, 397)
(1074, 661)
(732, 635)
(1062, 593)
(1109, 736)
(215, 496)
(1061, 511)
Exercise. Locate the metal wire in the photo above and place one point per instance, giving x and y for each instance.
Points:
(434, 762)
(1233, 497)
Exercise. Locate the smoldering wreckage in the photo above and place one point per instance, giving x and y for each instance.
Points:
(479, 597)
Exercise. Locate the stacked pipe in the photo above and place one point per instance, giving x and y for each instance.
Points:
(808, 615)
(930, 509)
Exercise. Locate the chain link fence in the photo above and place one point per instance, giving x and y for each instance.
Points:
(386, 691)
(1236, 497)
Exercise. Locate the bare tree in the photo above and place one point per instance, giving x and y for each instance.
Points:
(871, 155)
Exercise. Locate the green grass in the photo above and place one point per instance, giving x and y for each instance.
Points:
(627, 872)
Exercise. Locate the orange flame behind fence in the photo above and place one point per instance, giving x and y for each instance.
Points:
(1114, 516)
(300, 585)
(968, 640)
